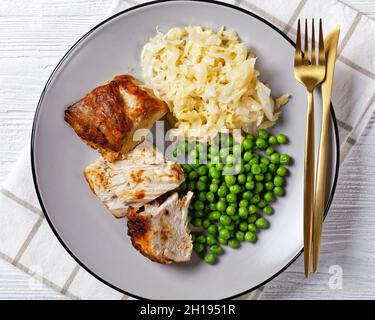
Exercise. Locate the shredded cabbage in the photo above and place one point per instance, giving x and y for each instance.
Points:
(209, 81)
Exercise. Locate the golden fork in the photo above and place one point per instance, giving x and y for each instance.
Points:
(310, 75)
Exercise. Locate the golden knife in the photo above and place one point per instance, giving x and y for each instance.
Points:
(330, 46)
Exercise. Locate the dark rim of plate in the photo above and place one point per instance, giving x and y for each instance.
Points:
(58, 66)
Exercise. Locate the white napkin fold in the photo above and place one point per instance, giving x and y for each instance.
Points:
(26, 240)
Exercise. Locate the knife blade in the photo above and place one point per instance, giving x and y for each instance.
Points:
(330, 45)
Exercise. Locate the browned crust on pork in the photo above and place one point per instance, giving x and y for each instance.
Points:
(105, 121)
(141, 233)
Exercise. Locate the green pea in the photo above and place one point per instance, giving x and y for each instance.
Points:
(259, 187)
(202, 196)
(212, 229)
(255, 169)
(262, 223)
(199, 214)
(237, 150)
(267, 176)
(249, 177)
(231, 198)
(269, 186)
(222, 240)
(264, 134)
(281, 138)
(210, 239)
(262, 203)
(240, 235)
(201, 239)
(231, 210)
(252, 227)
(193, 175)
(214, 215)
(272, 168)
(254, 161)
(224, 152)
(267, 210)
(272, 140)
(191, 185)
(268, 196)
(216, 181)
(247, 167)
(284, 159)
(270, 150)
(221, 206)
(216, 249)
(263, 168)
(250, 236)
(222, 191)
(183, 186)
(198, 247)
(187, 168)
(197, 222)
(203, 179)
(243, 203)
(213, 187)
(253, 209)
(247, 195)
(243, 212)
(275, 158)
(215, 174)
(214, 149)
(225, 220)
(247, 156)
(198, 205)
(235, 189)
(252, 218)
(282, 171)
(202, 170)
(255, 199)
(206, 223)
(259, 177)
(243, 226)
(210, 196)
(247, 144)
(230, 179)
(193, 237)
(194, 154)
(250, 185)
(230, 227)
(210, 258)
(224, 234)
(233, 243)
(241, 178)
(278, 181)
(212, 206)
(230, 159)
(278, 191)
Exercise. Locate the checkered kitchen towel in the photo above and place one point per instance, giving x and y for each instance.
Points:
(26, 240)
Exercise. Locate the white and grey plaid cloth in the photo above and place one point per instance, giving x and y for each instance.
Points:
(26, 240)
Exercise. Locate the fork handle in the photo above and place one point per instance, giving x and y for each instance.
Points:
(309, 181)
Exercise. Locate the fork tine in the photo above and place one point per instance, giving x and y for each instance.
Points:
(313, 53)
(306, 52)
(297, 55)
(322, 55)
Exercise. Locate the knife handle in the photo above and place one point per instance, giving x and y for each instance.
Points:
(321, 186)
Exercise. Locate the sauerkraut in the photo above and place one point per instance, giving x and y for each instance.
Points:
(209, 81)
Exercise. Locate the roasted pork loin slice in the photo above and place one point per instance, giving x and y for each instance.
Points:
(107, 117)
(160, 232)
(142, 176)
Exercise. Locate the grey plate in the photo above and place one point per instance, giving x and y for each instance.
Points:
(79, 220)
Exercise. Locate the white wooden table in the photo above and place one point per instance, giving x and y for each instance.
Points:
(34, 35)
